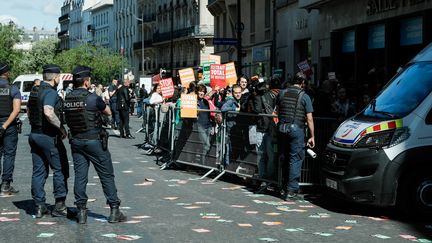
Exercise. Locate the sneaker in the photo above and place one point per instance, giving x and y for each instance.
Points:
(7, 189)
(60, 210)
(41, 210)
(293, 196)
(262, 188)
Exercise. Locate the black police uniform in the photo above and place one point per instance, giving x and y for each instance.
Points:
(45, 141)
(123, 104)
(83, 111)
(8, 136)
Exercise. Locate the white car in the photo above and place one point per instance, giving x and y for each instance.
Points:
(25, 83)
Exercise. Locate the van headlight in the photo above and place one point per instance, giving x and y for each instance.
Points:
(387, 138)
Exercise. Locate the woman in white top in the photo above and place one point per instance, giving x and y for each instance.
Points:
(156, 95)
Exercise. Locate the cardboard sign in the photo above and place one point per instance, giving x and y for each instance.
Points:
(230, 74)
(305, 68)
(331, 75)
(217, 76)
(188, 106)
(187, 75)
(215, 58)
(155, 79)
(167, 88)
(206, 72)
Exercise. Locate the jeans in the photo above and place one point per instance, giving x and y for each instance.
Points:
(204, 135)
(265, 155)
(45, 155)
(84, 152)
(293, 151)
(139, 108)
(8, 147)
(115, 113)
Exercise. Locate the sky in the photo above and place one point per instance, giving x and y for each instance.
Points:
(31, 13)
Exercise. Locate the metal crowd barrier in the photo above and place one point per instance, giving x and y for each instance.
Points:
(191, 144)
(230, 150)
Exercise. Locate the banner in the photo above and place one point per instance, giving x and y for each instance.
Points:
(217, 76)
(215, 58)
(230, 74)
(188, 106)
(187, 75)
(167, 88)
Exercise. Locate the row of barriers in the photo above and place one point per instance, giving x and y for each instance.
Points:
(225, 146)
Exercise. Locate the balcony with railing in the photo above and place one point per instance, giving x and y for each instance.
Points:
(63, 18)
(216, 7)
(63, 34)
(197, 31)
(138, 45)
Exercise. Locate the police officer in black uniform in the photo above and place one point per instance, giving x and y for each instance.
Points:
(295, 109)
(47, 132)
(89, 141)
(123, 104)
(10, 105)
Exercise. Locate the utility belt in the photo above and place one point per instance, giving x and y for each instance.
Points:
(102, 135)
(288, 127)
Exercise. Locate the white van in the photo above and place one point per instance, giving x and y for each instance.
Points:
(382, 155)
(25, 83)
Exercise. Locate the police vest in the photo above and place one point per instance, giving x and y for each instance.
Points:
(6, 103)
(291, 109)
(37, 119)
(78, 119)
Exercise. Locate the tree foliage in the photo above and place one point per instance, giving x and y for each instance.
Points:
(9, 36)
(104, 63)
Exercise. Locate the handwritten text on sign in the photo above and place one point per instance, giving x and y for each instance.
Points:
(167, 88)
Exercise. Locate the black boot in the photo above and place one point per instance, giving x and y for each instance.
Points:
(82, 214)
(7, 189)
(41, 210)
(116, 216)
(60, 209)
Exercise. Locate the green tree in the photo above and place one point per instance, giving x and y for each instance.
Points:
(105, 64)
(9, 36)
(42, 52)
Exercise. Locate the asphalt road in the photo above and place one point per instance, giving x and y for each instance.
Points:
(173, 206)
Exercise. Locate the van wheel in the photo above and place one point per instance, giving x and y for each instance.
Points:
(415, 198)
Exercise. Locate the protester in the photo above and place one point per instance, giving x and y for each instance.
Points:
(343, 107)
(204, 124)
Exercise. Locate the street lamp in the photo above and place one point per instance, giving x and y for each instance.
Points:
(142, 38)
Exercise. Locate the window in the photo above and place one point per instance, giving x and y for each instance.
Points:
(267, 13)
(252, 16)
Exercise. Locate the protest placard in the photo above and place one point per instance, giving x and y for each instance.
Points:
(217, 76)
(188, 106)
(305, 68)
(167, 87)
(187, 75)
(206, 72)
(230, 74)
(215, 58)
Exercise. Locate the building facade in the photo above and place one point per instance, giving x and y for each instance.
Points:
(125, 22)
(102, 22)
(364, 42)
(179, 34)
(256, 33)
(64, 21)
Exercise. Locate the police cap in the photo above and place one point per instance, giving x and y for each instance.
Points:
(51, 68)
(81, 72)
(4, 68)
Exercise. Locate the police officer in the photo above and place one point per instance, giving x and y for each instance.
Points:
(123, 104)
(112, 91)
(295, 109)
(83, 111)
(10, 105)
(47, 132)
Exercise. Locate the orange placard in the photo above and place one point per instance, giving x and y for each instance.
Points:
(167, 88)
(187, 75)
(215, 58)
(230, 74)
(188, 106)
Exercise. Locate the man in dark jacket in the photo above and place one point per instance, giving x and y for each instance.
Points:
(123, 104)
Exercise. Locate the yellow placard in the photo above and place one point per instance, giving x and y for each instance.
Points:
(188, 106)
(230, 74)
(187, 75)
(215, 58)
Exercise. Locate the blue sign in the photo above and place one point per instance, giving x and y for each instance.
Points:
(411, 31)
(376, 37)
(225, 41)
(348, 41)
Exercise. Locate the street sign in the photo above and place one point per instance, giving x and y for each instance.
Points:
(225, 41)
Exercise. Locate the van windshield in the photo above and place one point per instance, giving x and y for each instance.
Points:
(403, 94)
